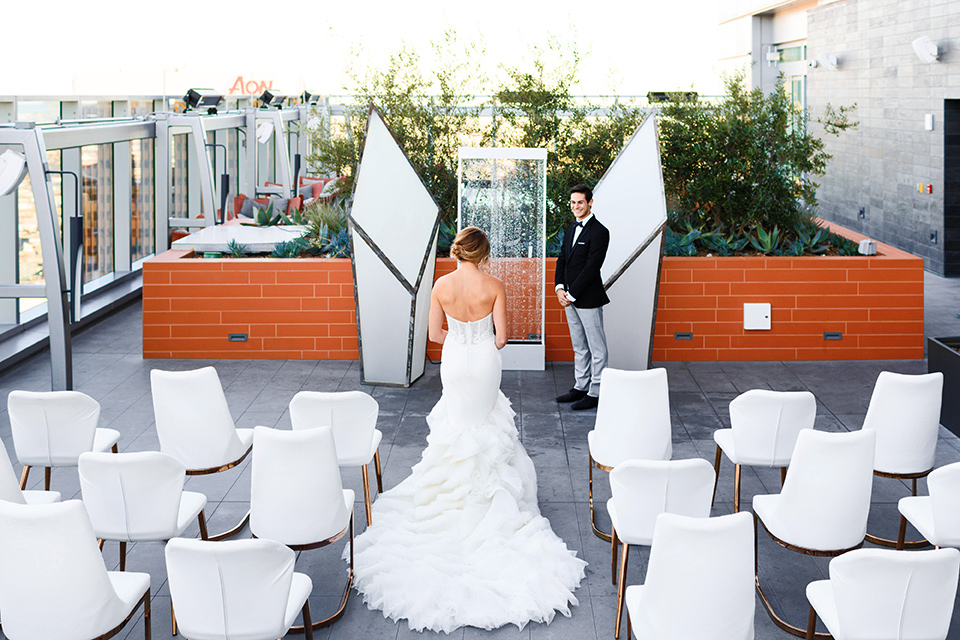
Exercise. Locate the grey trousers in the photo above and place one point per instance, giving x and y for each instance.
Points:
(589, 347)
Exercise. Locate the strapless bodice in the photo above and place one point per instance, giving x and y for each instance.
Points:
(470, 333)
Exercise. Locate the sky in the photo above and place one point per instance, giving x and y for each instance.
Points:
(110, 47)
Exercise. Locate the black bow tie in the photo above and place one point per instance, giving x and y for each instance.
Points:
(580, 224)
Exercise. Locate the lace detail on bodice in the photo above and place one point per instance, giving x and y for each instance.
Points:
(470, 333)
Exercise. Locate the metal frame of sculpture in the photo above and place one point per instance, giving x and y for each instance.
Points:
(382, 260)
(521, 353)
(630, 201)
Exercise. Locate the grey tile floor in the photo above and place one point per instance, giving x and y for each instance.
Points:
(108, 366)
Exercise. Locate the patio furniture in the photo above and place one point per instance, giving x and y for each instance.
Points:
(823, 506)
(642, 490)
(54, 584)
(764, 426)
(10, 490)
(633, 423)
(937, 516)
(195, 427)
(52, 428)
(876, 593)
(352, 416)
(698, 581)
(904, 412)
(296, 496)
(236, 589)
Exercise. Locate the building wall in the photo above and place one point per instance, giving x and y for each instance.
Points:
(878, 167)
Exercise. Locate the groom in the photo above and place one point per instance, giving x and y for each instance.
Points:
(580, 291)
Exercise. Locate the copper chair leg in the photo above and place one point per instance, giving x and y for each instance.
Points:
(593, 523)
(202, 520)
(376, 468)
(123, 556)
(783, 476)
(621, 587)
(326, 622)
(100, 542)
(23, 477)
(114, 448)
(902, 534)
(147, 619)
(173, 618)
(307, 625)
(366, 493)
(716, 470)
(811, 623)
(46, 478)
(613, 555)
(736, 488)
(629, 627)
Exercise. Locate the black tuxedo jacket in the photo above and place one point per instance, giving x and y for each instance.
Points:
(578, 266)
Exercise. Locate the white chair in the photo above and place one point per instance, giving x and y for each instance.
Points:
(353, 417)
(53, 584)
(904, 412)
(699, 585)
(52, 428)
(296, 496)
(236, 589)
(195, 427)
(764, 426)
(633, 423)
(877, 593)
(138, 497)
(823, 507)
(937, 516)
(642, 490)
(10, 487)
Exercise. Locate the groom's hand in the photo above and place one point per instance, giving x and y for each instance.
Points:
(562, 297)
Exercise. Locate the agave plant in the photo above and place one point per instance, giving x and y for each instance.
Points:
(290, 248)
(766, 242)
(338, 246)
(236, 249)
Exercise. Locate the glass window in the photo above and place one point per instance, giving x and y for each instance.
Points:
(142, 196)
(792, 54)
(29, 253)
(97, 204)
(38, 110)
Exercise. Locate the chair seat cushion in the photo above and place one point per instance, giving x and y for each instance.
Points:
(820, 595)
(724, 439)
(364, 457)
(41, 497)
(130, 587)
(628, 537)
(191, 504)
(919, 512)
(104, 439)
(300, 588)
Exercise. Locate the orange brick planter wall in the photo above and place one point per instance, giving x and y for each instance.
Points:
(305, 309)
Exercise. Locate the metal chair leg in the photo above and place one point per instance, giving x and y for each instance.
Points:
(900, 542)
(716, 470)
(736, 488)
(376, 468)
(202, 520)
(232, 532)
(23, 477)
(811, 623)
(173, 618)
(366, 493)
(593, 523)
(46, 478)
(621, 587)
(123, 555)
(613, 555)
(147, 619)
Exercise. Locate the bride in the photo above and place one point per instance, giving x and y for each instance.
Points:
(461, 541)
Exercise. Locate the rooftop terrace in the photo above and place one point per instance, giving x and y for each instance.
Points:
(108, 366)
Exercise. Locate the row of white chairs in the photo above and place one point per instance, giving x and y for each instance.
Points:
(297, 498)
(822, 512)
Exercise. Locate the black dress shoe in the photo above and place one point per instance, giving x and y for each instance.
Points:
(572, 396)
(587, 402)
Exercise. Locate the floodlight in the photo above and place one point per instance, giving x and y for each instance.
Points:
(925, 49)
(828, 61)
(203, 99)
(268, 99)
(264, 131)
(309, 98)
(13, 168)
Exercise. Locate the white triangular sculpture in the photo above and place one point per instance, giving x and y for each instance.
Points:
(629, 200)
(393, 233)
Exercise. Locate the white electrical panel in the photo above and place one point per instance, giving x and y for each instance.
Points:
(756, 316)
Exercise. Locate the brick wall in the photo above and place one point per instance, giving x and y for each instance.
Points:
(305, 308)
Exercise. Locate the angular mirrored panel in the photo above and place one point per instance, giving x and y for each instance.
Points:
(630, 201)
(503, 192)
(393, 230)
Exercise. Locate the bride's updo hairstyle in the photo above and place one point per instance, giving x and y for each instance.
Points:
(470, 245)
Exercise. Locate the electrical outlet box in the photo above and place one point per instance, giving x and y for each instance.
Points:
(756, 316)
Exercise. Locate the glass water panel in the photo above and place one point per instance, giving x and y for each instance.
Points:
(505, 198)
(97, 204)
(96, 109)
(142, 199)
(38, 110)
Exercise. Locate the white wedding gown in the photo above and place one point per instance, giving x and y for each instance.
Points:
(461, 541)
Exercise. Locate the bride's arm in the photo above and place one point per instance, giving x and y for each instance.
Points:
(500, 316)
(436, 331)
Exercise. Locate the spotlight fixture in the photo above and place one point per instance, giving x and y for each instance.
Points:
(309, 98)
(268, 99)
(13, 168)
(926, 50)
(203, 99)
(828, 61)
(264, 131)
